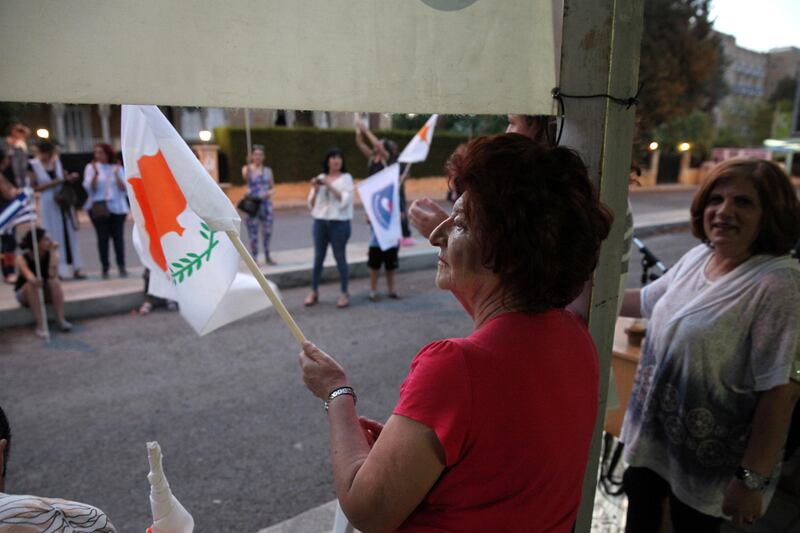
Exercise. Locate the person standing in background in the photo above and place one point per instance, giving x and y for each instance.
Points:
(260, 184)
(60, 223)
(17, 145)
(331, 202)
(14, 170)
(8, 240)
(107, 205)
(384, 152)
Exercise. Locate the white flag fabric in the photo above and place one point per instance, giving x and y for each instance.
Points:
(179, 213)
(18, 210)
(380, 194)
(418, 147)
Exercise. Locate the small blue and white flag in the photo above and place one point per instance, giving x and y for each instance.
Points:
(18, 211)
(380, 194)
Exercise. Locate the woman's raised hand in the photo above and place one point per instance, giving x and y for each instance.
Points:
(321, 373)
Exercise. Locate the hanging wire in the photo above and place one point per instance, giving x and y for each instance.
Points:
(558, 96)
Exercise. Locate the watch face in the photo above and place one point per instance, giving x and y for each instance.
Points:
(751, 483)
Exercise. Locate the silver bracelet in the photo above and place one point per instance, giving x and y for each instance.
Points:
(340, 392)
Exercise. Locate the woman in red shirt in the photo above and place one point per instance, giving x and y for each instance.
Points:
(492, 431)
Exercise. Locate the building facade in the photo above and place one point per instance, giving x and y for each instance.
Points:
(745, 75)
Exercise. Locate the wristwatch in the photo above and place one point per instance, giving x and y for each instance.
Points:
(751, 480)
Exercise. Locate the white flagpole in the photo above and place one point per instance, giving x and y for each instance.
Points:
(38, 266)
(265, 286)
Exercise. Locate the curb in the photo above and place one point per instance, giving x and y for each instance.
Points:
(129, 298)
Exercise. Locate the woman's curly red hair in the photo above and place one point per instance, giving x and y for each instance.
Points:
(535, 213)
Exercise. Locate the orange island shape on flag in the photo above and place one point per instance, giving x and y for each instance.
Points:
(160, 200)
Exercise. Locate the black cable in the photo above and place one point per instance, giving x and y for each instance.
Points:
(559, 97)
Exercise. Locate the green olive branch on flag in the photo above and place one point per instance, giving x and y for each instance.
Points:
(188, 264)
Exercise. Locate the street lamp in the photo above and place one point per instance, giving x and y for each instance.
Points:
(653, 146)
(684, 147)
(205, 135)
(43, 133)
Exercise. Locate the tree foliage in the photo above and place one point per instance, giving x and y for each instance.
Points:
(681, 63)
(471, 125)
(784, 90)
(696, 128)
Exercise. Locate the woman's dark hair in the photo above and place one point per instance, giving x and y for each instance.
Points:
(106, 148)
(27, 241)
(546, 128)
(332, 153)
(46, 147)
(780, 219)
(536, 215)
(392, 149)
(258, 147)
(5, 433)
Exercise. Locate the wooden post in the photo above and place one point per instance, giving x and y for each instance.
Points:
(600, 54)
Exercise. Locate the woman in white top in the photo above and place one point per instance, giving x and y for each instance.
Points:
(713, 396)
(60, 223)
(331, 202)
(107, 204)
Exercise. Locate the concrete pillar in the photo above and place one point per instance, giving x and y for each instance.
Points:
(652, 172)
(58, 115)
(104, 110)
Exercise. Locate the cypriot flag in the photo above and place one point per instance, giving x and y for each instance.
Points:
(180, 215)
(380, 194)
(417, 148)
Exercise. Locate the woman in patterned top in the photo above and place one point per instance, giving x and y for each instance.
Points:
(713, 394)
(260, 184)
(33, 514)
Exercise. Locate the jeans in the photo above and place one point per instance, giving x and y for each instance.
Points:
(335, 232)
(646, 491)
(112, 228)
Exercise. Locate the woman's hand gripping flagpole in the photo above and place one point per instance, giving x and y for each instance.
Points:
(262, 281)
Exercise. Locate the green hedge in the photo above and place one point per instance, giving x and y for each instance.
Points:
(295, 154)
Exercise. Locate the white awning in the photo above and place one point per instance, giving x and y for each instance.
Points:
(424, 56)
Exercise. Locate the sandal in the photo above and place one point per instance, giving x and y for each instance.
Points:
(343, 301)
(311, 299)
(65, 326)
(394, 296)
(145, 308)
(373, 296)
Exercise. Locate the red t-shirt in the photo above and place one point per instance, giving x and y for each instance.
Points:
(513, 405)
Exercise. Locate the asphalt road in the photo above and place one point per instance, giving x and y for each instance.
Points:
(292, 227)
(245, 444)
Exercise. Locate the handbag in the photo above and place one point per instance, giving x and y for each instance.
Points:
(249, 204)
(99, 210)
(71, 195)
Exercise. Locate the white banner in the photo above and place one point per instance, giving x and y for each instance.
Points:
(423, 56)
(380, 194)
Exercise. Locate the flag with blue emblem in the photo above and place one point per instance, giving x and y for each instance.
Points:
(380, 194)
(18, 211)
